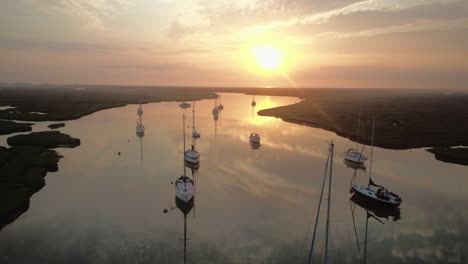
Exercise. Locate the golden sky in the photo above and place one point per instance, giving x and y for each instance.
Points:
(284, 43)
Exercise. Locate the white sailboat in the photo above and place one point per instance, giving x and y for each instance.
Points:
(190, 155)
(254, 138)
(374, 193)
(140, 128)
(184, 188)
(354, 155)
(140, 110)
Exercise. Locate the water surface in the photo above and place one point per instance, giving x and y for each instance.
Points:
(252, 206)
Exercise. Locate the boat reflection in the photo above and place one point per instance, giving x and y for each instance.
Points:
(354, 165)
(380, 214)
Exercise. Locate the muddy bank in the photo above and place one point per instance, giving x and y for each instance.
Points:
(9, 127)
(60, 103)
(46, 139)
(56, 125)
(404, 119)
(22, 172)
(451, 155)
(23, 168)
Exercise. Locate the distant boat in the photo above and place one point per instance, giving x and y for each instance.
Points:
(190, 155)
(254, 138)
(253, 101)
(184, 189)
(380, 196)
(195, 133)
(215, 110)
(184, 105)
(140, 111)
(140, 129)
(354, 155)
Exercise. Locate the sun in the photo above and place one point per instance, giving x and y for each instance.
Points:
(268, 57)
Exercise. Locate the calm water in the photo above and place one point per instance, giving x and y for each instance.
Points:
(252, 206)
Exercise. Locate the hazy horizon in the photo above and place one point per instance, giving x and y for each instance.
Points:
(207, 43)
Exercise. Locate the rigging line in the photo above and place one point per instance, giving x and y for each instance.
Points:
(329, 200)
(355, 231)
(318, 211)
(372, 150)
(354, 177)
(358, 126)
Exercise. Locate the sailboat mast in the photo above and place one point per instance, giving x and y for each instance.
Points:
(183, 150)
(372, 150)
(358, 127)
(185, 238)
(365, 237)
(193, 117)
(328, 205)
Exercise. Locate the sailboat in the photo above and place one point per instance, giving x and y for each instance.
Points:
(195, 133)
(140, 110)
(215, 110)
(353, 155)
(328, 174)
(253, 101)
(254, 138)
(184, 189)
(220, 106)
(140, 129)
(379, 195)
(190, 155)
(376, 213)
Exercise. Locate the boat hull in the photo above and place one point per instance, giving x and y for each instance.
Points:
(184, 190)
(192, 157)
(355, 157)
(369, 196)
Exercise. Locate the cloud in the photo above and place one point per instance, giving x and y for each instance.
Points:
(381, 6)
(405, 28)
(91, 13)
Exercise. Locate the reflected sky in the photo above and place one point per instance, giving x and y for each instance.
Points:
(253, 206)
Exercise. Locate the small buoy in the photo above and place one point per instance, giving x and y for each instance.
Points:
(119, 153)
(165, 210)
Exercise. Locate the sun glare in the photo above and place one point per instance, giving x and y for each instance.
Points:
(268, 57)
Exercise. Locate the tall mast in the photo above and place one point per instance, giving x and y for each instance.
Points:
(329, 162)
(365, 239)
(372, 150)
(185, 238)
(358, 127)
(328, 205)
(183, 150)
(193, 117)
